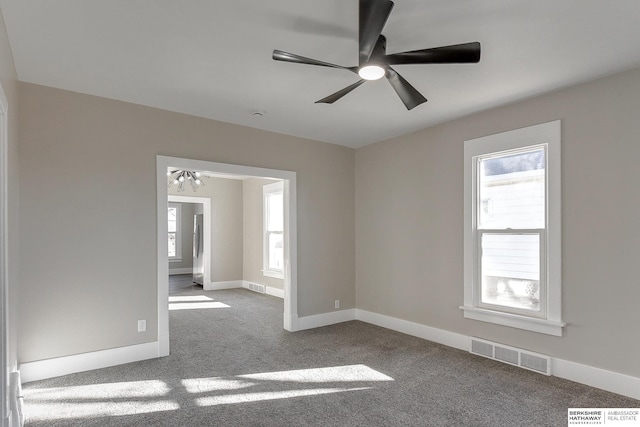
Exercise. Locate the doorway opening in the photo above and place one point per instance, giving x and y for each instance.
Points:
(204, 204)
(288, 179)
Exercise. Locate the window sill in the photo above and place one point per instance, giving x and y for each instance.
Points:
(542, 326)
(274, 274)
(175, 259)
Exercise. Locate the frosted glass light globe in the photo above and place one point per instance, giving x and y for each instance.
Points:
(371, 72)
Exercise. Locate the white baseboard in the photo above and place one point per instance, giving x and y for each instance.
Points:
(274, 292)
(15, 417)
(269, 290)
(174, 271)
(614, 382)
(234, 284)
(49, 368)
(291, 322)
(325, 319)
(440, 336)
(163, 345)
(216, 286)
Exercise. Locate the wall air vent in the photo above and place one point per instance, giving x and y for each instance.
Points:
(511, 355)
(482, 348)
(535, 362)
(506, 355)
(255, 287)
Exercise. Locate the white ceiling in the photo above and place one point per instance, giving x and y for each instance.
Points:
(212, 58)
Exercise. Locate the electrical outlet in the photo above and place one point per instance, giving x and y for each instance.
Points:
(142, 325)
(337, 304)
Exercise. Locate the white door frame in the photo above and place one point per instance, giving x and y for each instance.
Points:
(5, 409)
(206, 228)
(290, 235)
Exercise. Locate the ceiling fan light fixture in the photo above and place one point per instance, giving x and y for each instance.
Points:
(374, 63)
(371, 72)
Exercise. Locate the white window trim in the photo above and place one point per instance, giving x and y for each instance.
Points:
(547, 134)
(276, 187)
(178, 257)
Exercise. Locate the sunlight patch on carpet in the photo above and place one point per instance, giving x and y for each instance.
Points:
(196, 305)
(348, 373)
(49, 411)
(269, 395)
(206, 385)
(194, 302)
(151, 388)
(189, 298)
(283, 384)
(96, 400)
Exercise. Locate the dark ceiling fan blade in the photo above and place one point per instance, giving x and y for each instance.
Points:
(373, 16)
(279, 55)
(465, 53)
(339, 94)
(407, 93)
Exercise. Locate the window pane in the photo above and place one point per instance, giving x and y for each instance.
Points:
(275, 217)
(510, 270)
(512, 191)
(172, 217)
(172, 244)
(276, 251)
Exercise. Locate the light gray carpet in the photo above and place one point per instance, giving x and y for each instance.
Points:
(236, 366)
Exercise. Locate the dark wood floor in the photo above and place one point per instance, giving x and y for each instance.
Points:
(180, 282)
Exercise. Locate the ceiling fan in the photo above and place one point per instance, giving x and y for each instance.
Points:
(374, 63)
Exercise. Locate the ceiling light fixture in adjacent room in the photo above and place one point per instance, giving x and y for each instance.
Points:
(179, 177)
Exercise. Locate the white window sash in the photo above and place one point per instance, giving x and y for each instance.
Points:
(477, 289)
(268, 190)
(178, 234)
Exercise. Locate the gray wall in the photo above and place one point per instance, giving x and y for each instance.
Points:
(9, 81)
(226, 227)
(73, 299)
(253, 233)
(409, 216)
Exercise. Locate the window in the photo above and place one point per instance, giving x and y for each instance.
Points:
(174, 225)
(273, 210)
(512, 244)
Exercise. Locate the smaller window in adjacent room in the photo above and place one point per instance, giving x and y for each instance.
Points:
(173, 225)
(273, 207)
(512, 229)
